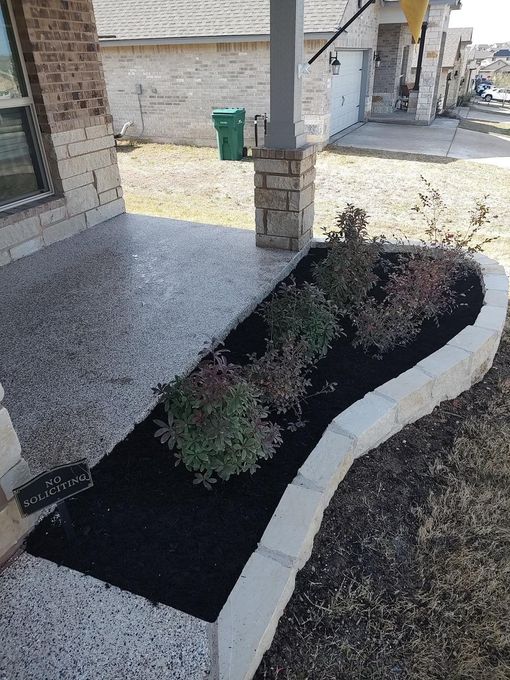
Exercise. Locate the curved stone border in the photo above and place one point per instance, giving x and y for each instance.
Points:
(247, 623)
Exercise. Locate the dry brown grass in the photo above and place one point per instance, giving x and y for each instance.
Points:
(190, 183)
(434, 602)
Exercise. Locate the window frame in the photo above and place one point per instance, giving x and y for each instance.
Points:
(27, 103)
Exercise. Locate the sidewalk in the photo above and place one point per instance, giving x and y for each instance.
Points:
(443, 138)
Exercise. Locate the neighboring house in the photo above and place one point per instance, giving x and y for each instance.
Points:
(496, 67)
(502, 54)
(454, 80)
(454, 77)
(58, 166)
(166, 69)
(483, 56)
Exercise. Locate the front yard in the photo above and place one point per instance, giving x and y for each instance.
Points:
(192, 184)
(409, 574)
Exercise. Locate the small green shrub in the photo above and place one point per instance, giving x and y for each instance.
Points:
(347, 274)
(216, 421)
(303, 317)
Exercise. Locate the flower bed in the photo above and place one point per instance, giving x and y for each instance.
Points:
(362, 338)
(146, 528)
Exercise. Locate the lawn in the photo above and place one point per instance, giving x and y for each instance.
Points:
(190, 183)
(409, 573)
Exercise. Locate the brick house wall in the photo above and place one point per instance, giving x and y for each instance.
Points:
(182, 83)
(391, 42)
(61, 52)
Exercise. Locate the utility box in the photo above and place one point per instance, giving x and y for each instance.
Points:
(229, 124)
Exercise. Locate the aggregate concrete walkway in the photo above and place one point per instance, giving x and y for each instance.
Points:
(87, 327)
(443, 138)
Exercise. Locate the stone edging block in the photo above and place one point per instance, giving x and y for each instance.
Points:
(248, 620)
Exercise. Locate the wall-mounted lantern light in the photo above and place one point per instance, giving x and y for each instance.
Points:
(334, 63)
(377, 59)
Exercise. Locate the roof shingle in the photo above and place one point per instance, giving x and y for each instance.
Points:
(133, 19)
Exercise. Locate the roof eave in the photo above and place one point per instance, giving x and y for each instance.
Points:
(196, 40)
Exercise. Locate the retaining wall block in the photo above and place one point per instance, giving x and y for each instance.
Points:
(12, 527)
(482, 344)
(412, 391)
(369, 421)
(288, 537)
(327, 464)
(450, 368)
(496, 282)
(496, 298)
(492, 318)
(247, 623)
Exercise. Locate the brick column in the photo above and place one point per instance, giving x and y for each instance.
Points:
(439, 17)
(13, 472)
(284, 196)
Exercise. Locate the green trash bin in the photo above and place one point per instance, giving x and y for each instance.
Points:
(229, 124)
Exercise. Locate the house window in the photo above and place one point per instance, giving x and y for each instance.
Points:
(23, 170)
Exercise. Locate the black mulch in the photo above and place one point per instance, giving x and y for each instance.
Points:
(146, 528)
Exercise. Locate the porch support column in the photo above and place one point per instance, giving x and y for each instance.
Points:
(13, 472)
(285, 167)
(286, 129)
(437, 25)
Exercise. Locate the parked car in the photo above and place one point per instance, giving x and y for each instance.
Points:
(496, 93)
(481, 87)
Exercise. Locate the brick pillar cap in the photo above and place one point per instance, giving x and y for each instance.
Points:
(285, 154)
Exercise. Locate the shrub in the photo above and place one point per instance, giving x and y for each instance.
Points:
(454, 244)
(282, 377)
(216, 421)
(347, 274)
(303, 317)
(423, 285)
(419, 288)
(384, 325)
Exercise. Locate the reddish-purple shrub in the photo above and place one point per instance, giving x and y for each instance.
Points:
(382, 326)
(423, 285)
(216, 421)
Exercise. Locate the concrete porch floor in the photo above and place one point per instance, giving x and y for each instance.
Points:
(87, 327)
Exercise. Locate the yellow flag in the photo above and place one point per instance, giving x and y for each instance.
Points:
(415, 14)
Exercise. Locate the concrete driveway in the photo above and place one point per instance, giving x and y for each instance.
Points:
(445, 138)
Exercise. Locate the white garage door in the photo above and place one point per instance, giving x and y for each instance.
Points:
(346, 91)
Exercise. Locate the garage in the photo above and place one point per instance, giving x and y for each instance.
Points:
(346, 91)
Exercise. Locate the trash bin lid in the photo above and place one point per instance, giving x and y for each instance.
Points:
(228, 112)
